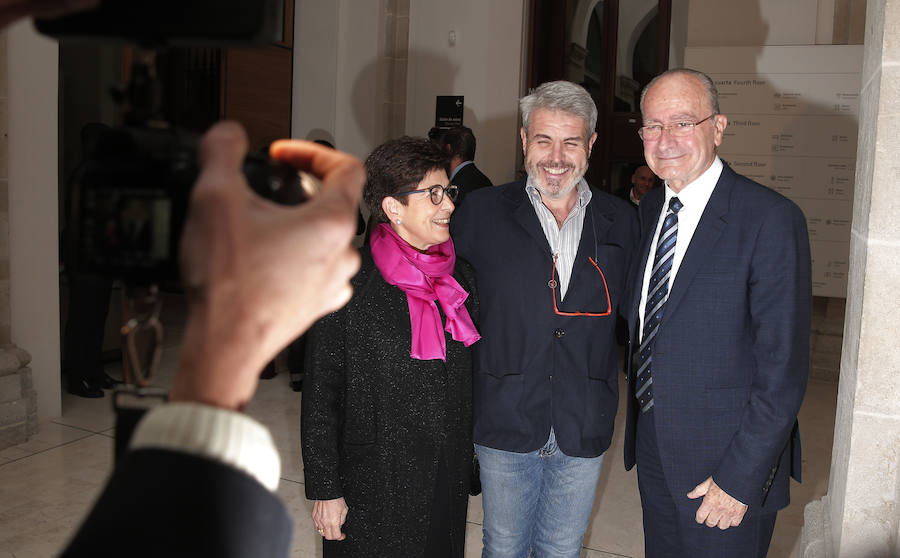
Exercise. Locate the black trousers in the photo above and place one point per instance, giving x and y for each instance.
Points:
(85, 326)
(670, 528)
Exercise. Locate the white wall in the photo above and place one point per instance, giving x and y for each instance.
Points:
(759, 22)
(336, 53)
(484, 66)
(825, 22)
(358, 113)
(755, 23)
(344, 77)
(315, 70)
(33, 217)
(678, 33)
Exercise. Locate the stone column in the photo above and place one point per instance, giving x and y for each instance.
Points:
(860, 515)
(32, 75)
(392, 66)
(18, 400)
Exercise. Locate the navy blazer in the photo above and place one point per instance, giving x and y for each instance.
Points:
(731, 356)
(533, 368)
(468, 179)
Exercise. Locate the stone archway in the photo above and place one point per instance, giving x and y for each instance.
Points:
(860, 515)
(581, 19)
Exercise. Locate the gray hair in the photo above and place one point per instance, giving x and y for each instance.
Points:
(712, 94)
(560, 95)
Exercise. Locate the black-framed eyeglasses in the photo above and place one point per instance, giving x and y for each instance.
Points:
(552, 283)
(677, 129)
(436, 193)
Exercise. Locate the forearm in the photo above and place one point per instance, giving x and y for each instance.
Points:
(779, 301)
(218, 345)
(225, 436)
(753, 453)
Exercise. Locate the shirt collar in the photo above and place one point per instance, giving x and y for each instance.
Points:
(697, 193)
(634, 200)
(459, 168)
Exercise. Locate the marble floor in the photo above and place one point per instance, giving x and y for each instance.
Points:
(48, 483)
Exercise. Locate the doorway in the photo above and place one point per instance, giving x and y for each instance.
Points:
(194, 88)
(613, 49)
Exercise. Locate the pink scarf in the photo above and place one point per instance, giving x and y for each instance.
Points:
(425, 278)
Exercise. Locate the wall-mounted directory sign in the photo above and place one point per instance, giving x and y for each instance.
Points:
(793, 114)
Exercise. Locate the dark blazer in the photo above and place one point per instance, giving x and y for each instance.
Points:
(167, 503)
(375, 422)
(731, 356)
(468, 179)
(625, 193)
(534, 368)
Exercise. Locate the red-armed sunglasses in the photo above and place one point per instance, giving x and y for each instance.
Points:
(553, 283)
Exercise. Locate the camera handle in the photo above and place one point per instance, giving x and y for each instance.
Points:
(143, 327)
(133, 398)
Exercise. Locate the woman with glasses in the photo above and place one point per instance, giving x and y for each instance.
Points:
(387, 412)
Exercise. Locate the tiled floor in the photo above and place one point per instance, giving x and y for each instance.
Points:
(47, 483)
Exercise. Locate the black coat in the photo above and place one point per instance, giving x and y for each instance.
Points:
(169, 503)
(625, 193)
(468, 179)
(375, 421)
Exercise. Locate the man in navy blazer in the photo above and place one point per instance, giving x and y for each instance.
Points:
(459, 143)
(721, 344)
(551, 256)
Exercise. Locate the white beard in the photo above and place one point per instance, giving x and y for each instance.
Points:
(562, 192)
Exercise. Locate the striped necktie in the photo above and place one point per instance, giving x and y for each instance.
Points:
(657, 294)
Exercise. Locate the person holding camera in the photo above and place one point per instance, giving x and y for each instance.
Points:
(386, 427)
(200, 476)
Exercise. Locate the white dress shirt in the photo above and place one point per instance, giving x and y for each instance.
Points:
(563, 240)
(694, 196)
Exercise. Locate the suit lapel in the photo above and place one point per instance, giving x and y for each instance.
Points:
(524, 214)
(598, 218)
(709, 230)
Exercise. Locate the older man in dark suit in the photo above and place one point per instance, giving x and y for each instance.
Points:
(720, 318)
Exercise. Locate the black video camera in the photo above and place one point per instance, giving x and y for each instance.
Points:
(128, 200)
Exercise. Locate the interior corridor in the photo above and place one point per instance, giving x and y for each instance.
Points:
(48, 483)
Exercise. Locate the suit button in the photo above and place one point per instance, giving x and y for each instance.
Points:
(559, 332)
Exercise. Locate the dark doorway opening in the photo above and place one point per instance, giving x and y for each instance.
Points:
(625, 45)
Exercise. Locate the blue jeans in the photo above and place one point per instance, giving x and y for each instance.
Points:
(539, 501)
